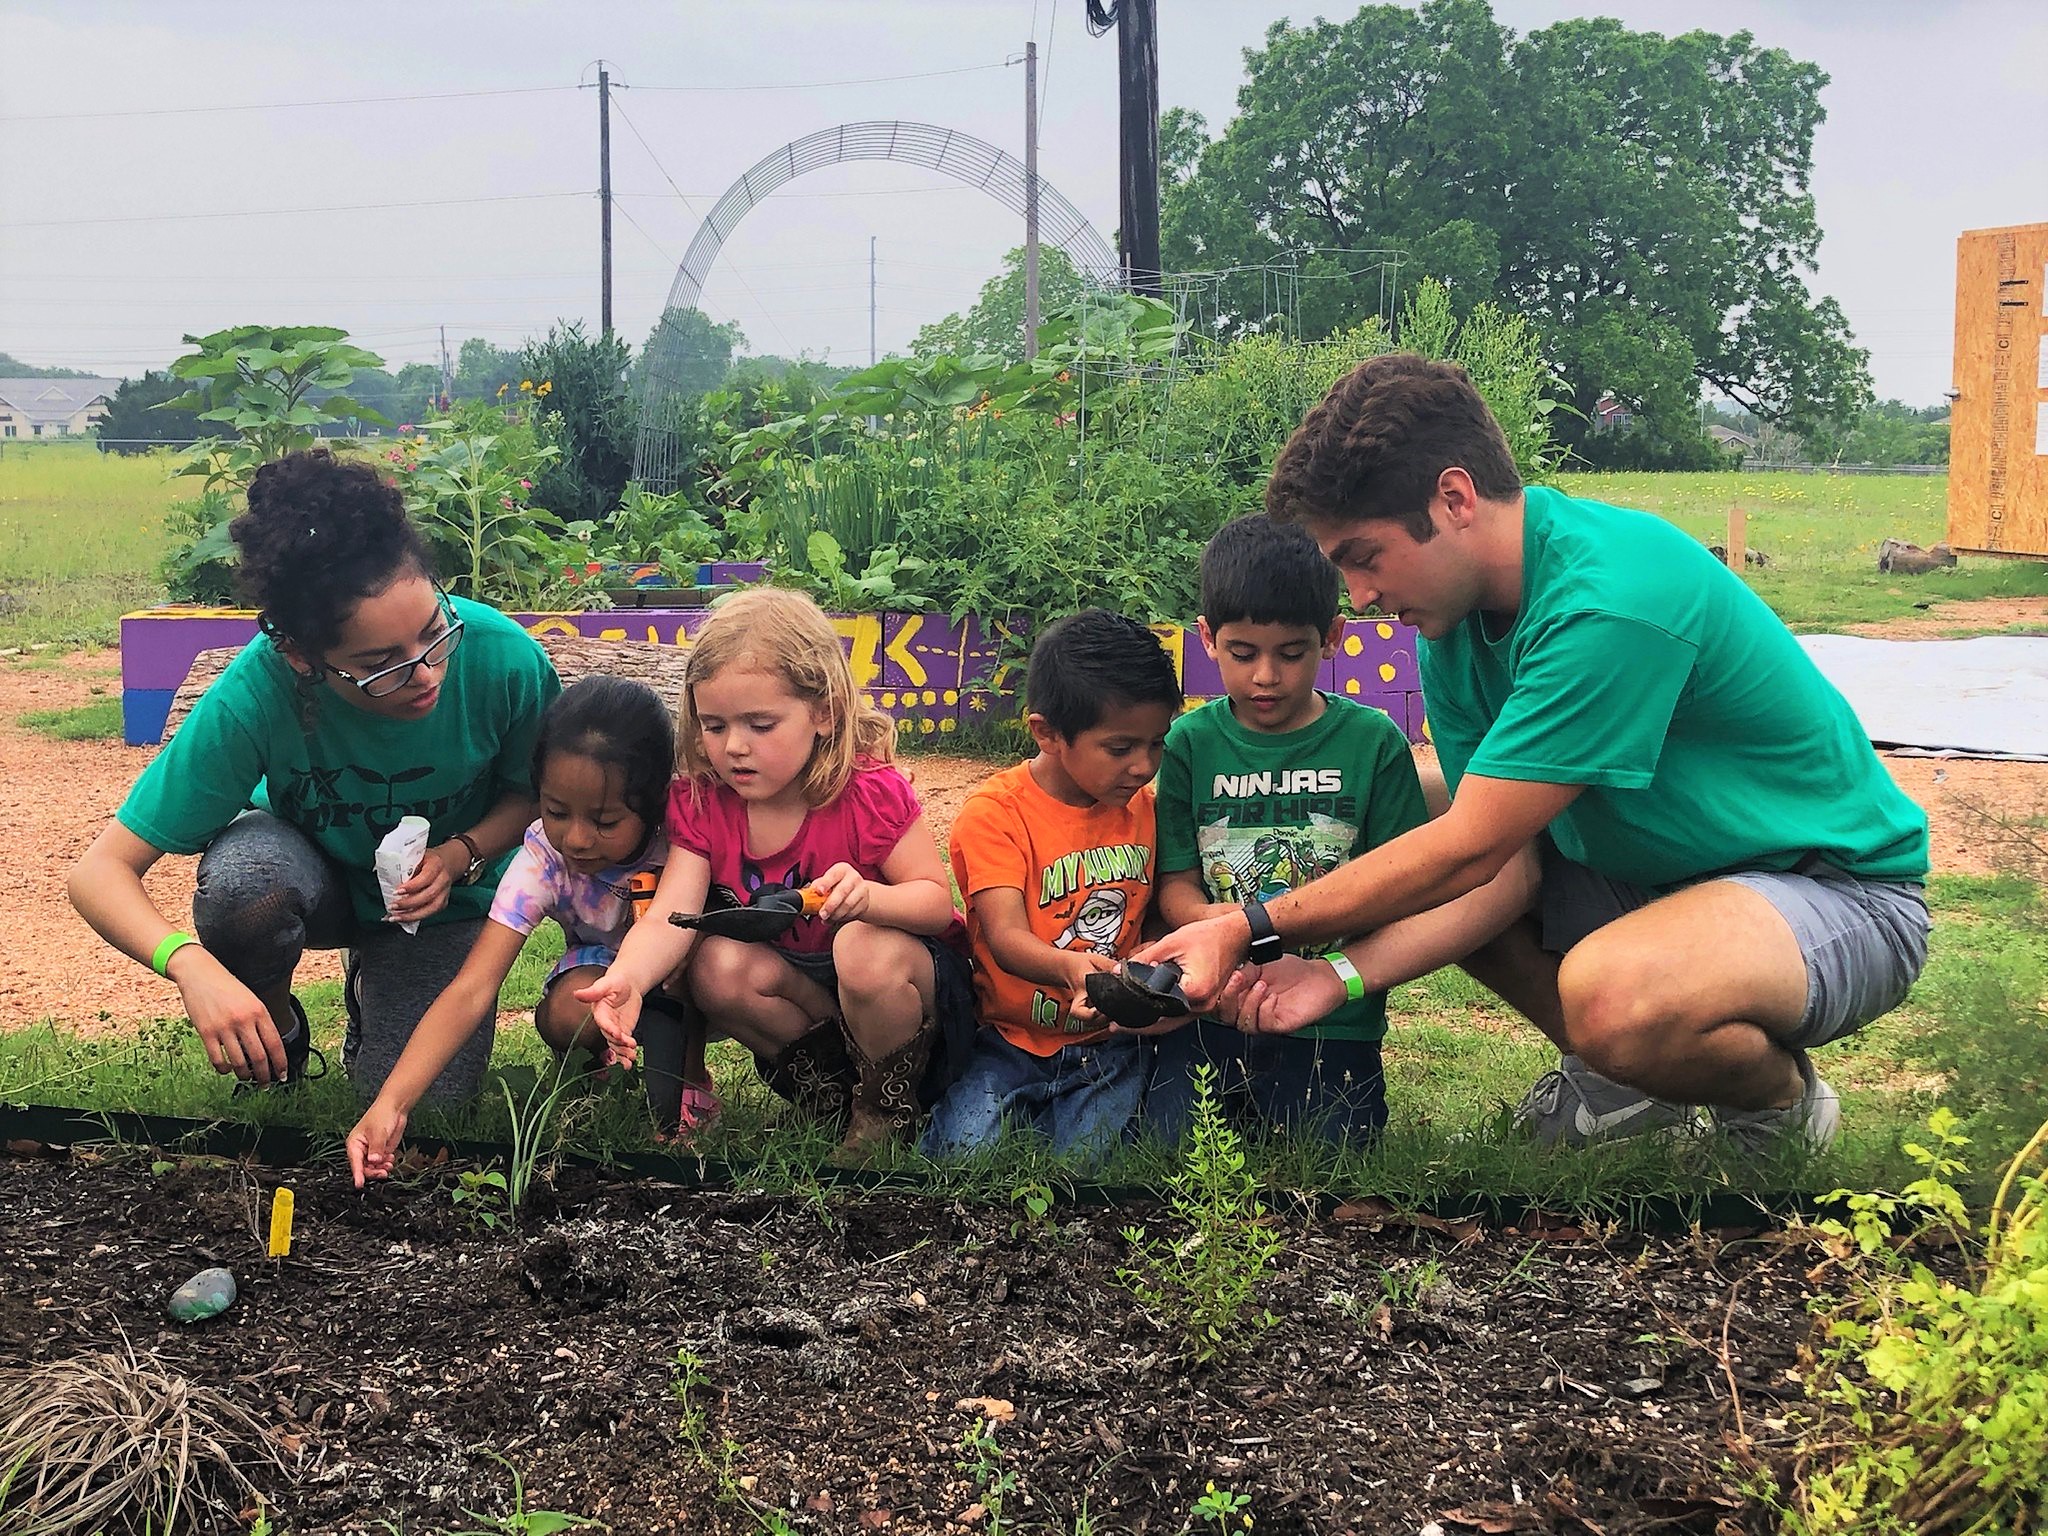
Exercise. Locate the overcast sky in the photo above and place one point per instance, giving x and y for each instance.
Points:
(127, 218)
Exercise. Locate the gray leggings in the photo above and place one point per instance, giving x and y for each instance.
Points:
(266, 895)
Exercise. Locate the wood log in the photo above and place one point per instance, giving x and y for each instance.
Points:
(661, 667)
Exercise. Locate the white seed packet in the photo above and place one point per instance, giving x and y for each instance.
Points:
(399, 857)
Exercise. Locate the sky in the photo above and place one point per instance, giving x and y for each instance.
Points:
(134, 209)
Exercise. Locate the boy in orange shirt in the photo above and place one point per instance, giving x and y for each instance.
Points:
(1055, 860)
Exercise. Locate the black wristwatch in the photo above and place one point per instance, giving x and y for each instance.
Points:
(1265, 943)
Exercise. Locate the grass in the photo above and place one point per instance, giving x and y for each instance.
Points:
(98, 721)
(1821, 533)
(81, 533)
(1455, 1060)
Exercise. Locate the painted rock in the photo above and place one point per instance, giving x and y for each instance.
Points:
(207, 1294)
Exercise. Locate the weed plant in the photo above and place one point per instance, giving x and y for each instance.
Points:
(1931, 1392)
(1206, 1283)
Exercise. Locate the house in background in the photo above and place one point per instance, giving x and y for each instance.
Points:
(1611, 415)
(53, 407)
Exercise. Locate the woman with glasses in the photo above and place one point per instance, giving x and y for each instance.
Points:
(370, 695)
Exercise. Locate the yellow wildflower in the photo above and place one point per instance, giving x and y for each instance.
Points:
(525, 385)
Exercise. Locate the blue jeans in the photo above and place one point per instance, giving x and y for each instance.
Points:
(1334, 1089)
(1081, 1098)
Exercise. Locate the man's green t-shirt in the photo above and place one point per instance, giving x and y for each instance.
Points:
(1644, 669)
(344, 776)
(1259, 813)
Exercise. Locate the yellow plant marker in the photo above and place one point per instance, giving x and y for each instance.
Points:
(280, 1223)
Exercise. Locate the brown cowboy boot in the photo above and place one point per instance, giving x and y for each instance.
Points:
(814, 1073)
(885, 1104)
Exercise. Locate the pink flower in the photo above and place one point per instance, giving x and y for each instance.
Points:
(526, 485)
(504, 501)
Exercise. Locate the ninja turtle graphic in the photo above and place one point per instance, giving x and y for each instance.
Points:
(1239, 863)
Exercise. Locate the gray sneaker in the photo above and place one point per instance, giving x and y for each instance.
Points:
(1816, 1117)
(1574, 1105)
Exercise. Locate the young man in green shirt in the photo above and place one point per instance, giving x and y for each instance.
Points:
(1729, 876)
(1262, 790)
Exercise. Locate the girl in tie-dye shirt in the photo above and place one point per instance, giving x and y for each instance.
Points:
(603, 763)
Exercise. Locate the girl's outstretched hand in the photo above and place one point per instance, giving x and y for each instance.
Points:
(846, 894)
(373, 1144)
(615, 1009)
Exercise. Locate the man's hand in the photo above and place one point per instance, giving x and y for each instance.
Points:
(1206, 952)
(1287, 994)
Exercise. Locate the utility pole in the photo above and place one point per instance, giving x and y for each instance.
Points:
(1030, 200)
(447, 384)
(604, 185)
(1137, 78)
(872, 358)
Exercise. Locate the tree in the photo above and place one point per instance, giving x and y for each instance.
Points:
(15, 368)
(688, 351)
(1642, 199)
(995, 325)
(585, 414)
(481, 368)
(132, 423)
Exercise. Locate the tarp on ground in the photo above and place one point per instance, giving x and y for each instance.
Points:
(1986, 697)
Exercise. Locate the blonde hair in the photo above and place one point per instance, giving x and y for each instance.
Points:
(785, 634)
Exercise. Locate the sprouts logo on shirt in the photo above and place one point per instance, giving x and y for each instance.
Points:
(314, 798)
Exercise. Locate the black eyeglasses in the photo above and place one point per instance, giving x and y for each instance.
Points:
(386, 681)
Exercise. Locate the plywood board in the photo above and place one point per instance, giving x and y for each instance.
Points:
(1998, 429)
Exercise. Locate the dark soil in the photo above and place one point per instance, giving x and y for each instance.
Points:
(1414, 1372)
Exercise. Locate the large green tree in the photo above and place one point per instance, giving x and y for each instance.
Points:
(1643, 199)
(134, 425)
(688, 351)
(995, 325)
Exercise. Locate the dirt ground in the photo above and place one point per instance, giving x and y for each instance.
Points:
(1484, 1381)
(66, 791)
(1978, 613)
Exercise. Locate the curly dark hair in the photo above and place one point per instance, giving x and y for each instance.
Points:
(321, 535)
(616, 723)
(1378, 442)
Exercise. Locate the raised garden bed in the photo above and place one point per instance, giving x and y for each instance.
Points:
(1416, 1370)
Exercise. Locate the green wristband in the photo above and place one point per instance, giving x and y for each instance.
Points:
(173, 942)
(1354, 984)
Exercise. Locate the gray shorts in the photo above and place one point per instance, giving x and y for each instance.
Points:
(1864, 940)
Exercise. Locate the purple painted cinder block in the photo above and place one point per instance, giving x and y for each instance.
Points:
(1200, 677)
(157, 649)
(921, 650)
(1375, 656)
(962, 663)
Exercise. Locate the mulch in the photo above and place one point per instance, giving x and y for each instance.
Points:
(1415, 1371)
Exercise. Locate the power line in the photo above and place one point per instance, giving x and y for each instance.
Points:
(735, 271)
(282, 106)
(265, 213)
(819, 85)
(644, 235)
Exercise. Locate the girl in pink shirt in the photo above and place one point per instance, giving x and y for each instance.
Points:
(787, 782)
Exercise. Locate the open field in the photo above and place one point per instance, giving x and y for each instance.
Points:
(1821, 534)
(81, 533)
